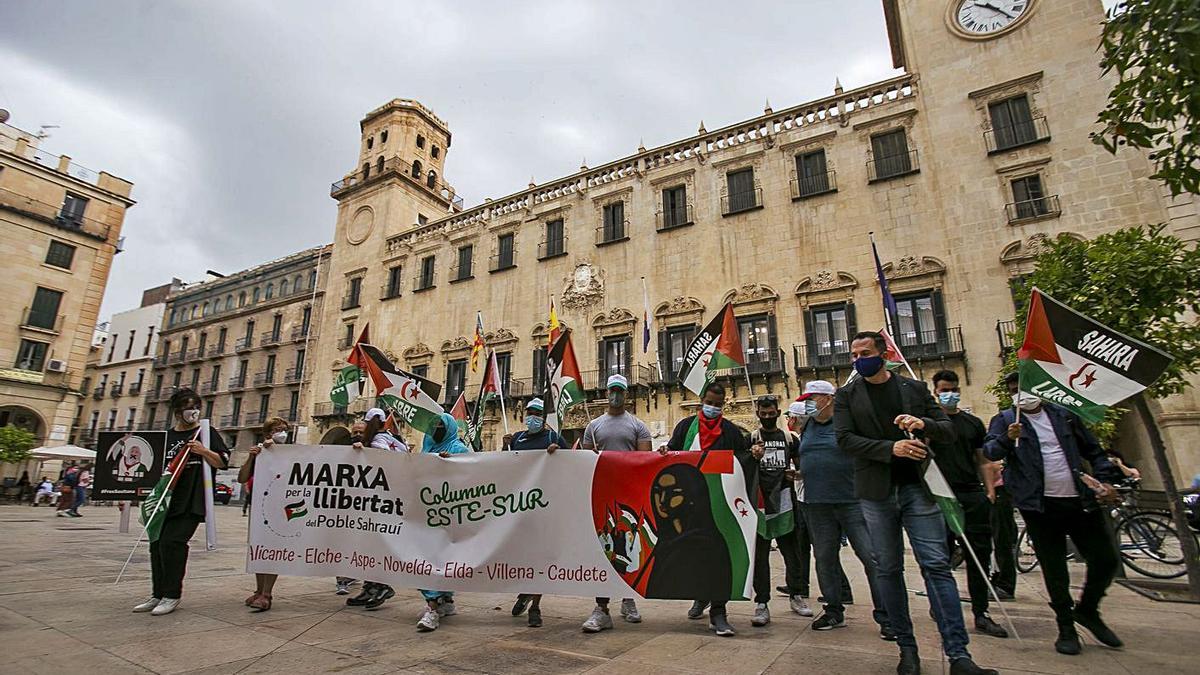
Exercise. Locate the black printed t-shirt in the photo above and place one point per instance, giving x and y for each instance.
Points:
(187, 499)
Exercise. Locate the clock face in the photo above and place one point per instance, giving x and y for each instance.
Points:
(984, 17)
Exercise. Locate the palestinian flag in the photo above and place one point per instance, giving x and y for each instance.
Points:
(154, 508)
(1079, 364)
(409, 397)
(459, 411)
(952, 511)
(782, 520)
(717, 347)
(564, 384)
(489, 389)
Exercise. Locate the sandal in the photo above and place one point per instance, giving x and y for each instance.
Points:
(262, 603)
(250, 600)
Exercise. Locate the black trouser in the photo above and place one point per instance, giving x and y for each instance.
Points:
(1004, 536)
(1048, 531)
(762, 569)
(796, 548)
(977, 513)
(168, 555)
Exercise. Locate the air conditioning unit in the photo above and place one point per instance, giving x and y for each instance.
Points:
(56, 366)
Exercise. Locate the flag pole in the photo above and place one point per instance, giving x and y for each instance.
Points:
(646, 320)
(150, 519)
(499, 394)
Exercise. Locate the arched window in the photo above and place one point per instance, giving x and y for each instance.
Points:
(204, 309)
(431, 179)
(370, 142)
(283, 288)
(366, 170)
(420, 141)
(416, 173)
(298, 283)
(383, 136)
(229, 302)
(195, 311)
(257, 294)
(270, 291)
(379, 165)
(242, 299)
(173, 316)
(434, 151)
(312, 279)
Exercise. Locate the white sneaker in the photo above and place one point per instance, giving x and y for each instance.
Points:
(762, 615)
(447, 608)
(165, 606)
(629, 611)
(598, 621)
(428, 622)
(147, 605)
(800, 606)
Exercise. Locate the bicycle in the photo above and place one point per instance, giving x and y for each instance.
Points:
(1146, 539)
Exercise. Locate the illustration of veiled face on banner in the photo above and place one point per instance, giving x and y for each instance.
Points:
(667, 526)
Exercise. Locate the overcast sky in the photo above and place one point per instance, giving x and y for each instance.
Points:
(232, 118)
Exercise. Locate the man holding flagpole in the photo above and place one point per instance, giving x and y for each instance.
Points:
(881, 419)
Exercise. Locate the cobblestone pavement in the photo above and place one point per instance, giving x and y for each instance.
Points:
(61, 612)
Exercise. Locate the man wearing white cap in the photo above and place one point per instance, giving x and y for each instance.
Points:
(615, 430)
(373, 435)
(536, 436)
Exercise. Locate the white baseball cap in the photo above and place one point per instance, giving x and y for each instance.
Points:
(535, 404)
(375, 413)
(617, 381)
(817, 387)
(796, 409)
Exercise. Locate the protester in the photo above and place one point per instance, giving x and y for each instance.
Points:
(185, 509)
(776, 471)
(880, 419)
(1129, 472)
(343, 584)
(1044, 453)
(83, 483)
(615, 430)
(831, 509)
(536, 436)
(24, 488)
(275, 432)
(372, 434)
(67, 486)
(966, 470)
(45, 491)
(443, 441)
(798, 571)
(1004, 536)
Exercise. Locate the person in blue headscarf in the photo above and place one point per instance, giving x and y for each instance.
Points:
(441, 441)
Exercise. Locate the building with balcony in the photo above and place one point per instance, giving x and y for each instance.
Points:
(952, 164)
(60, 226)
(121, 368)
(240, 342)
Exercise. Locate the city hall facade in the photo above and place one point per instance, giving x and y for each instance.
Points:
(962, 167)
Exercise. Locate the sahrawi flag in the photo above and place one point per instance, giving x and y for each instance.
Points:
(488, 390)
(1079, 364)
(717, 347)
(564, 384)
(409, 397)
(154, 508)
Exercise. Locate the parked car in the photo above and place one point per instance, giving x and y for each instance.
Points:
(222, 493)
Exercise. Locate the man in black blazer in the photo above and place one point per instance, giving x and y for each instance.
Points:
(880, 419)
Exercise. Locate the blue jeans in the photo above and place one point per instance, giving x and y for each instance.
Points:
(826, 523)
(908, 507)
(80, 497)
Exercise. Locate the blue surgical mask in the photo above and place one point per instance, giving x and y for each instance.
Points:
(949, 399)
(712, 412)
(867, 366)
(810, 407)
(534, 423)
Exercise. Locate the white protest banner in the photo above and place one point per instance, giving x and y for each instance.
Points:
(573, 523)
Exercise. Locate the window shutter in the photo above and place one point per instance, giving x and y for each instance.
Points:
(851, 321)
(664, 357)
(773, 340)
(939, 321)
(601, 361)
(810, 337)
(629, 357)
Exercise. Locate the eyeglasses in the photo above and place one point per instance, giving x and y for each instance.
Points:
(768, 399)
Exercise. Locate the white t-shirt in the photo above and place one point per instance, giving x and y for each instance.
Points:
(1056, 470)
(385, 441)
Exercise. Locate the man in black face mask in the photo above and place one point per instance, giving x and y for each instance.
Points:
(779, 449)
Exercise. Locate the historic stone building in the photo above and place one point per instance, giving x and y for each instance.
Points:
(60, 226)
(962, 167)
(121, 367)
(240, 342)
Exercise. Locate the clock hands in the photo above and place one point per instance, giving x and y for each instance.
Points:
(989, 5)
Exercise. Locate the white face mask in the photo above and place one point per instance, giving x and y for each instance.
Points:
(191, 416)
(279, 436)
(1027, 401)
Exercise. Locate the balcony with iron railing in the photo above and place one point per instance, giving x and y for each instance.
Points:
(291, 415)
(552, 247)
(270, 338)
(160, 361)
(118, 388)
(345, 342)
(893, 166)
(612, 233)
(176, 358)
(244, 344)
(1004, 335)
(938, 343)
(209, 387)
(135, 389)
(1033, 209)
(301, 332)
(42, 321)
(1029, 132)
(823, 356)
(671, 219)
(195, 354)
(741, 202)
(394, 167)
(762, 362)
(329, 409)
(352, 300)
(232, 421)
(637, 374)
(52, 214)
(264, 378)
(425, 282)
(461, 272)
(216, 350)
(253, 419)
(390, 289)
(98, 392)
(293, 375)
(503, 260)
(237, 382)
(813, 185)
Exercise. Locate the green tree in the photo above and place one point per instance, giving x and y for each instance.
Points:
(15, 444)
(1154, 47)
(1146, 284)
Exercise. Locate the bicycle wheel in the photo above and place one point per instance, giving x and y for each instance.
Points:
(1026, 559)
(1149, 545)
